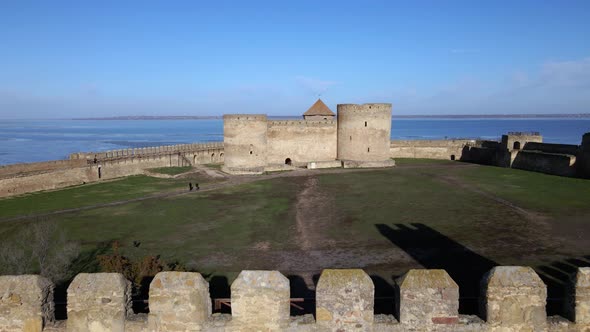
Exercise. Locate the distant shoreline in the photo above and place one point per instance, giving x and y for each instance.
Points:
(447, 116)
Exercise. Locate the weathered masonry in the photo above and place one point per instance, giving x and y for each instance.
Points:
(359, 137)
(522, 150)
(513, 299)
(91, 167)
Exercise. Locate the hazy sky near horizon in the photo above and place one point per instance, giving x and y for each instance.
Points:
(109, 58)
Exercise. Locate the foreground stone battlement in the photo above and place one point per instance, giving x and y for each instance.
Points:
(513, 299)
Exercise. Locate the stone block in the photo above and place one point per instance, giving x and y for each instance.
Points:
(345, 300)
(26, 303)
(578, 304)
(514, 297)
(427, 297)
(179, 301)
(98, 302)
(260, 300)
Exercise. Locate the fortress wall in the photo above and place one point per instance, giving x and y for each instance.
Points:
(136, 152)
(513, 298)
(245, 143)
(431, 149)
(301, 141)
(64, 173)
(364, 132)
(479, 155)
(208, 156)
(111, 169)
(16, 169)
(556, 164)
(54, 179)
(62, 178)
(583, 166)
(508, 141)
(552, 148)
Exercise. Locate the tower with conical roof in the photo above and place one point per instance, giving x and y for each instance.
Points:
(319, 111)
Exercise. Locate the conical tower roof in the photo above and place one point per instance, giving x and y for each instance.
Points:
(319, 108)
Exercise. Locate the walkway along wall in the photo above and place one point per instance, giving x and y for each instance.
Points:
(513, 299)
(430, 149)
(82, 169)
(558, 159)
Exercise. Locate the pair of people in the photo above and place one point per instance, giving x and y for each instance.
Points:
(190, 186)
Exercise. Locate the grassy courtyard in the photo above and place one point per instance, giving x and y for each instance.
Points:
(434, 214)
(171, 170)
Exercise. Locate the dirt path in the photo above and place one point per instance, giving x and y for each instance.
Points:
(232, 180)
(313, 211)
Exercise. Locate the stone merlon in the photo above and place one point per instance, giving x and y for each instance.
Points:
(513, 299)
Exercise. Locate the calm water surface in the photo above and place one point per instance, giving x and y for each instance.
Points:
(40, 140)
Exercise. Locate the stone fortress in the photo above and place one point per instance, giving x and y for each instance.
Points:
(513, 298)
(358, 137)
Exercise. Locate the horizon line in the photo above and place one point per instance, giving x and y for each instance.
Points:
(399, 116)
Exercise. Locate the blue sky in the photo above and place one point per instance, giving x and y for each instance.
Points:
(81, 58)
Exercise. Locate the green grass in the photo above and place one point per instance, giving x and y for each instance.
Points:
(540, 192)
(171, 170)
(91, 194)
(184, 227)
(421, 161)
(214, 166)
(218, 231)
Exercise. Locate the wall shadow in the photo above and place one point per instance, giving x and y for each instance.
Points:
(558, 278)
(384, 296)
(219, 288)
(86, 262)
(434, 250)
(299, 289)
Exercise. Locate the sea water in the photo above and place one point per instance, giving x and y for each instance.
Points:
(41, 140)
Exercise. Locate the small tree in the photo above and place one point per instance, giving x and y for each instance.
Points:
(39, 247)
(134, 271)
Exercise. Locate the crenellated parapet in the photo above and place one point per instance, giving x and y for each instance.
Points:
(244, 117)
(512, 298)
(302, 123)
(145, 152)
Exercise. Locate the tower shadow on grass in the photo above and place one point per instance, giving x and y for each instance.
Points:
(434, 250)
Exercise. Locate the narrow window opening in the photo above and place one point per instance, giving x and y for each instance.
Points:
(99, 172)
(368, 149)
(452, 157)
(516, 146)
(365, 123)
(351, 138)
(288, 161)
(250, 152)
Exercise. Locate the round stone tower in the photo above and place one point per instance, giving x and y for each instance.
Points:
(364, 132)
(244, 143)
